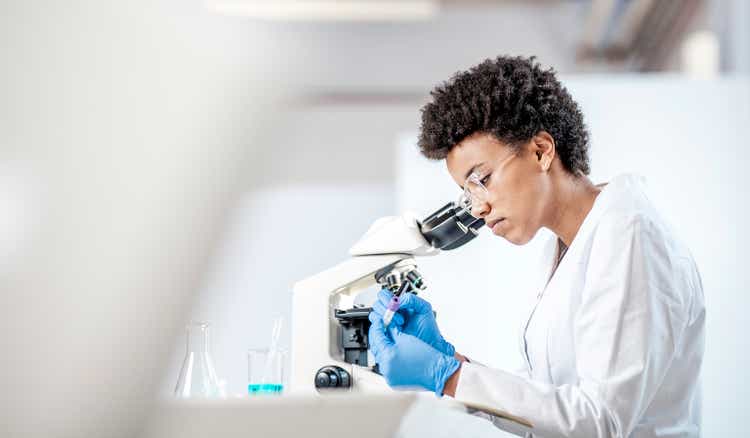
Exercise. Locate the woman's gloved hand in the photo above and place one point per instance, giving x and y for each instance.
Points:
(404, 360)
(414, 317)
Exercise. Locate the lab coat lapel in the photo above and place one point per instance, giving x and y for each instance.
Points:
(572, 257)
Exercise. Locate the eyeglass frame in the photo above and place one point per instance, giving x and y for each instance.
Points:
(465, 199)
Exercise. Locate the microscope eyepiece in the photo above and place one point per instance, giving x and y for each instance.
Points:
(450, 227)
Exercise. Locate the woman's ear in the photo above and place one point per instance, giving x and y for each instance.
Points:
(544, 147)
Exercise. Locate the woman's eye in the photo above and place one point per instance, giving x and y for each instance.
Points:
(485, 180)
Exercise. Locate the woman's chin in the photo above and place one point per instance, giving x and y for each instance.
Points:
(516, 242)
(516, 238)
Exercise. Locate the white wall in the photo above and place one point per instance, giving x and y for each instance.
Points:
(686, 137)
(729, 19)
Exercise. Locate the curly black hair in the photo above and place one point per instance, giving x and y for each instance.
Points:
(511, 98)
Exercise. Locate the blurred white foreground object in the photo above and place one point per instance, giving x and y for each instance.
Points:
(372, 416)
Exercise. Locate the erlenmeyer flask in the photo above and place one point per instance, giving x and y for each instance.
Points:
(197, 376)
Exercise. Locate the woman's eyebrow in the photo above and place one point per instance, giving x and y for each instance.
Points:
(473, 169)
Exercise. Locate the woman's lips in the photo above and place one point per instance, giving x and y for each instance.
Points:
(493, 224)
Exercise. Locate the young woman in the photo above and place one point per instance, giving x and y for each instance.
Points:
(614, 343)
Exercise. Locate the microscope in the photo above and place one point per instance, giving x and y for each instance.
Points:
(329, 329)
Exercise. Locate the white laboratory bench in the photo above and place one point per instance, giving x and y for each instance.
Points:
(397, 415)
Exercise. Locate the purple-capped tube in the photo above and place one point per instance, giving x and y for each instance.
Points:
(390, 310)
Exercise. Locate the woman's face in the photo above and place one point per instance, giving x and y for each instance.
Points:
(517, 182)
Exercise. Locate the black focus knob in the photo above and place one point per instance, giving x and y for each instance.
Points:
(322, 380)
(356, 336)
(332, 377)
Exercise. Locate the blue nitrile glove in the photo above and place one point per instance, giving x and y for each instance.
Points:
(414, 317)
(404, 360)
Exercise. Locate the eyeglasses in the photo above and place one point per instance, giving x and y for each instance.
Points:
(475, 192)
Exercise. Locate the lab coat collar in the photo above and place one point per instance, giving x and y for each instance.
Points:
(612, 193)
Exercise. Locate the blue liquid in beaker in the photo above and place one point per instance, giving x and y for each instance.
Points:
(264, 388)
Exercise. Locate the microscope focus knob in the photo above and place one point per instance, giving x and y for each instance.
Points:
(356, 336)
(332, 377)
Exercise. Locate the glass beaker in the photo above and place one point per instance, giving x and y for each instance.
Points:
(265, 371)
(197, 375)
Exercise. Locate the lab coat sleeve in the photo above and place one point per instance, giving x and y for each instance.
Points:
(499, 422)
(521, 370)
(626, 332)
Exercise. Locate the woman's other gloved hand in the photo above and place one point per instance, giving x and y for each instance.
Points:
(414, 317)
(406, 361)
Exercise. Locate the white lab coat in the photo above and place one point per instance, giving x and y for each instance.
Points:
(613, 343)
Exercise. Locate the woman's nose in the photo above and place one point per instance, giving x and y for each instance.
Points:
(480, 209)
